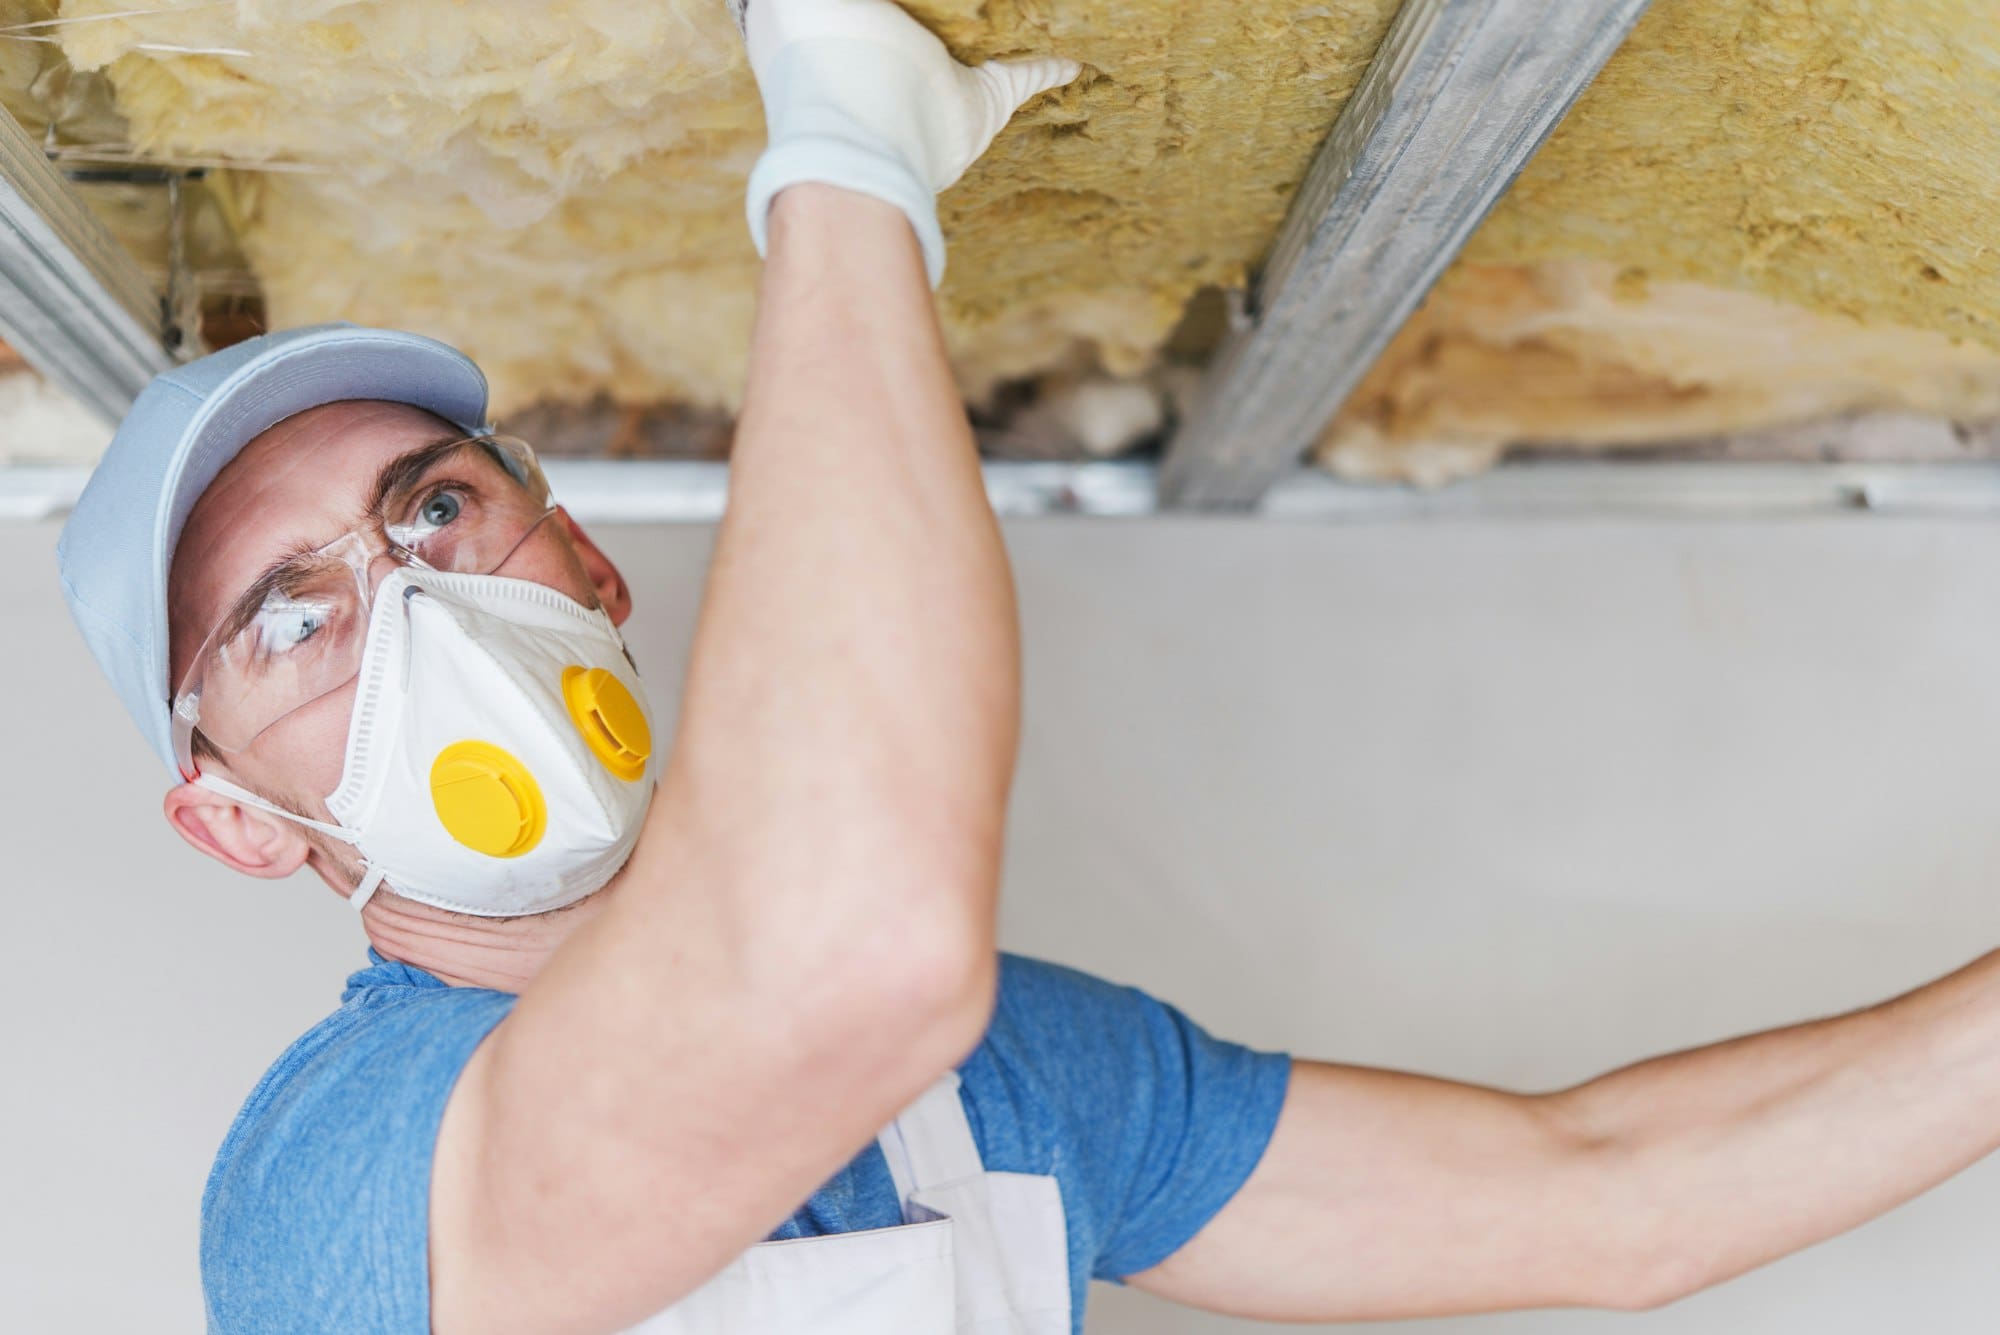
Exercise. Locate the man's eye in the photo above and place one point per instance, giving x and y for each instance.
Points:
(282, 627)
(439, 509)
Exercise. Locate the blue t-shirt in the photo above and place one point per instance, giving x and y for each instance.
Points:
(316, 1216)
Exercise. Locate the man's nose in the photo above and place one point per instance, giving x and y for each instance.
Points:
(380, 563)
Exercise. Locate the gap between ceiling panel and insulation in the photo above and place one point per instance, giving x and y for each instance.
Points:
(1763, 211)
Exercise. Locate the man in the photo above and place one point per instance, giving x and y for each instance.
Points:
(625, 1012)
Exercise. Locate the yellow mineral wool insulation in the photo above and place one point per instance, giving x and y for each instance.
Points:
(1762, 211)
(1840, 155)
(556, 187)
(1580, 353)
(21, 63)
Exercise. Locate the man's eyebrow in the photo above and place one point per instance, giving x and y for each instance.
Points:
(407, 469)
(395, 476)
(251, 601)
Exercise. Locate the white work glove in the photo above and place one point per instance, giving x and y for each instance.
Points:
(860, 95)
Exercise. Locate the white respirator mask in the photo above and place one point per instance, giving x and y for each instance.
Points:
(500, 755)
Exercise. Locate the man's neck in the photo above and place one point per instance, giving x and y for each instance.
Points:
(464, 951)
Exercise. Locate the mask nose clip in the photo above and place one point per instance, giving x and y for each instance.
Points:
(409, 593)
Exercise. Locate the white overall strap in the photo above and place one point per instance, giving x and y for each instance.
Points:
(1010, 1248)
(879, 1281)
(931, 1143)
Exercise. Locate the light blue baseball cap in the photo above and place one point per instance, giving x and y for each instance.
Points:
(118, 546)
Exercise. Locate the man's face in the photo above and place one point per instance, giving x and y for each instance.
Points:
(297, 487)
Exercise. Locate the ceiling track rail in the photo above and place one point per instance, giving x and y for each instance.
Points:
(72, 301)
(1459, 97)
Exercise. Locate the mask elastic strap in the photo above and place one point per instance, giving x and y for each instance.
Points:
(371, 880)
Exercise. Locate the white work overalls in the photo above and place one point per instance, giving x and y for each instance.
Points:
(978, 1253)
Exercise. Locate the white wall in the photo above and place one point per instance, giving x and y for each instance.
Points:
(1508, 803)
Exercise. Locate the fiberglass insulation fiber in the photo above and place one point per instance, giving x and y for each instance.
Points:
(1763, 209)
(557, 187)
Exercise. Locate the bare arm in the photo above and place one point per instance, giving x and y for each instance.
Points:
(1386, 1195)
(804, 937)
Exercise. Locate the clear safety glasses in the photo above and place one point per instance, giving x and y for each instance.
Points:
(298, 631)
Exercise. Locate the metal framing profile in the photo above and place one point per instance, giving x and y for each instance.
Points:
(1458, 98)
(72, 301)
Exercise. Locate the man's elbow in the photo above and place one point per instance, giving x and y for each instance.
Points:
(953, 986)
(1623, 1252)
(1656, 1283)
(910, 1014)
(923, 977)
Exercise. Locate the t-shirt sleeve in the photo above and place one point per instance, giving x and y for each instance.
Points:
(1149, 1124)
(316, 1215)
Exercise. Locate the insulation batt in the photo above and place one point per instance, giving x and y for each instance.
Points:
(1762, 210)
(557, 187)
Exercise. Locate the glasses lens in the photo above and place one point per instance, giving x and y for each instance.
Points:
(302, 639)
(466, 505)
(461, 506)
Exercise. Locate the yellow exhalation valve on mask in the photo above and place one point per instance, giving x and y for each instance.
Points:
(611, 721)
(487, 800)
(499, 754)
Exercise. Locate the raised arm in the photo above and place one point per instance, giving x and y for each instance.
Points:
(804, 936)
(1386, 1195)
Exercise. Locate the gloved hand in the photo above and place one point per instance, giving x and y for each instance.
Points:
(860, 95)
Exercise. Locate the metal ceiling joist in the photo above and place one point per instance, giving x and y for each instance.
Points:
(1458, 98)
(72, 301)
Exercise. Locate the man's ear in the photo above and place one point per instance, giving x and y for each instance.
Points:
(239, 837)
(604, 577)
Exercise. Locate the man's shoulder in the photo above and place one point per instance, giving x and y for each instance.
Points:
(386, 1009)
(1043, 1008)
(1148, 1123)
(323, 1177)
(1058, 1053)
